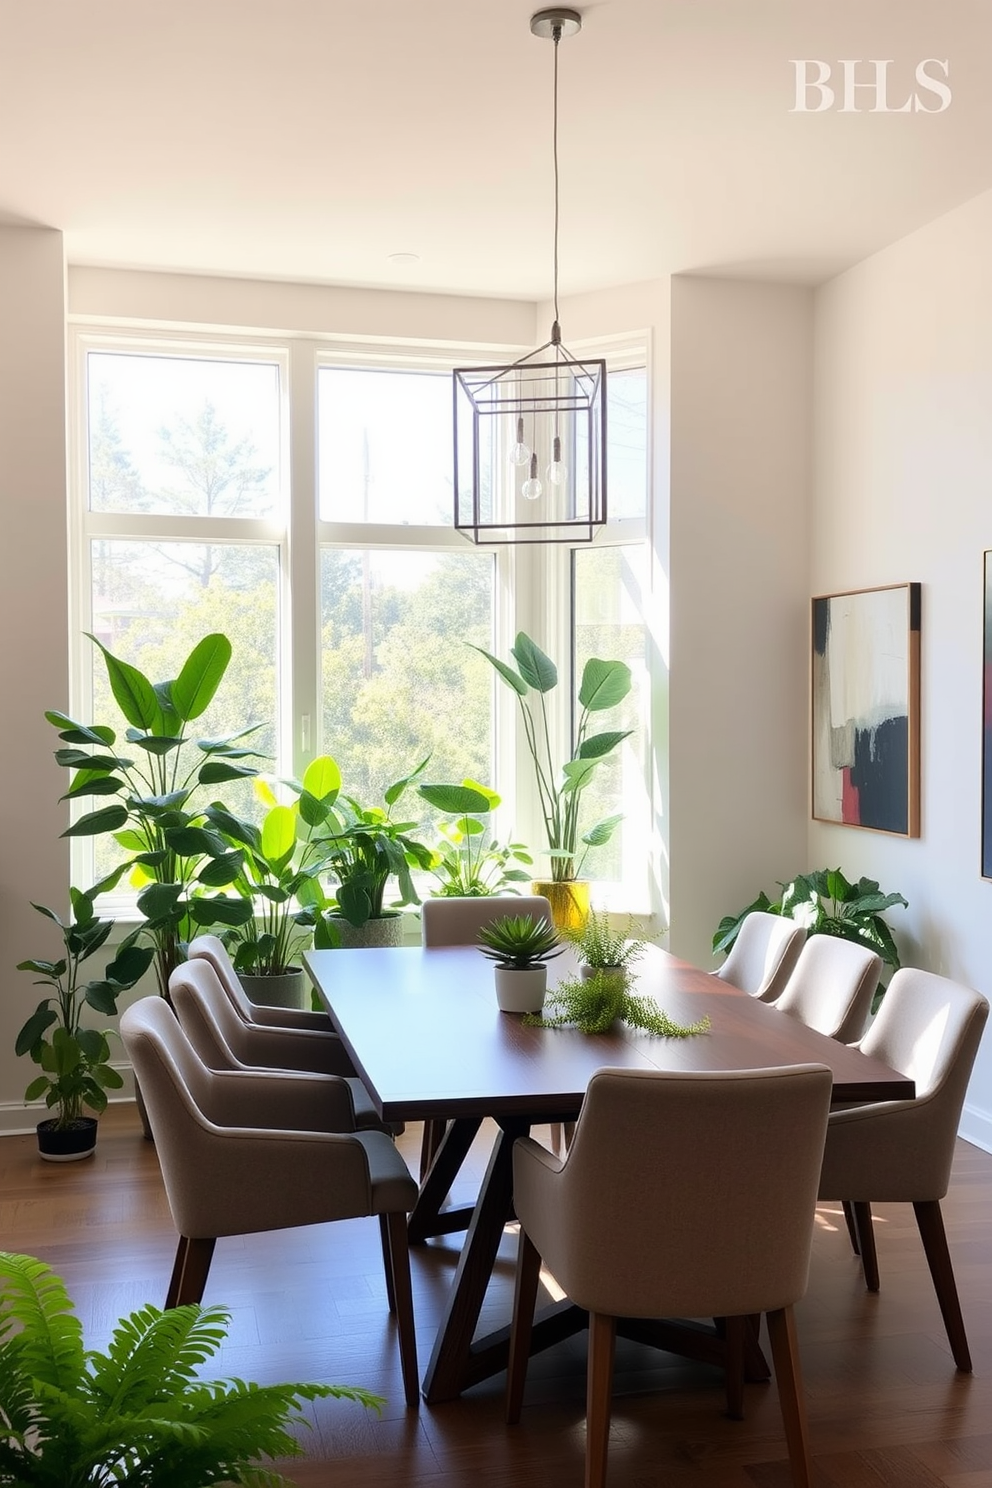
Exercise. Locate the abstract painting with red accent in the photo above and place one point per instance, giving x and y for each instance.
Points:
(865, 725)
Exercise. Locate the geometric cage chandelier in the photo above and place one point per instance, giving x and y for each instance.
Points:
(530, 437)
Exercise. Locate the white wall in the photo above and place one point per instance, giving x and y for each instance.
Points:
(34, 863)
(740, 399)
(903, 491)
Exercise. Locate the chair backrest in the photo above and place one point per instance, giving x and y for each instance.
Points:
(832, 986)
(763, 956)
(689, 1194)
(211, 948)
(456, 922)
(203, 1007)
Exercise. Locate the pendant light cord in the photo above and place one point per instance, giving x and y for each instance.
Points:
(556, 37)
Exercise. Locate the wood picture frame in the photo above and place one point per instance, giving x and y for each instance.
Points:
(866, 709)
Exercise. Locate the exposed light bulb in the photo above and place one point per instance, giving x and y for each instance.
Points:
(519, 452)
(532, 488)
(557, 472)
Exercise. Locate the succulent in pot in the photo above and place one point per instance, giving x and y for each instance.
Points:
(521, 946)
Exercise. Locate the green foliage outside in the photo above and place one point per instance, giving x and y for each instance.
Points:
(139, 1414)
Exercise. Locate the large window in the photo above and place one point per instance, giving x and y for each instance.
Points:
(299, 499)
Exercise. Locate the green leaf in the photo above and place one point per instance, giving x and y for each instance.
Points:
(393, 792)
(599, 744)
(602, 831)
(322, 778)
(40, 1020)
(92, 783)
(80, 733)
(204, 668)
(455, 799)
(537, 669)
(604, 684)
(191, 842)
(96, 822)
(102, 997)
(76, 758)
(837, 885)
(157, 744)
(129, 965)
(219, 872)
(577, 774)
(220, 910)
(159, 900)
(279, 836)
(506, 672)
(215, 772)
(134, 694)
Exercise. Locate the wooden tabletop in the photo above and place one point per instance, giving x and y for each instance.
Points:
(424, 1031)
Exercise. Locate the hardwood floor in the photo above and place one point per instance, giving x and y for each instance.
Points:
(887, 1408)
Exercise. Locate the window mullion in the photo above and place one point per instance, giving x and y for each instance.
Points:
(299, 702)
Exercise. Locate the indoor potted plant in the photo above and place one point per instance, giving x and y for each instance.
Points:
(156, 781)
(364, 848)
(604, 684)
(75, 1073)
(604, 951)
(140, 1413)
(279, 865)
(521, 946)
(465, 861)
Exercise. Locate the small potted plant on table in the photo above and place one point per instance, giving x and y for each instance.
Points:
(73, 1059)
(521, 946)
(604, 951)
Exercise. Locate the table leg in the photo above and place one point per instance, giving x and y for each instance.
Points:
(428, 1218)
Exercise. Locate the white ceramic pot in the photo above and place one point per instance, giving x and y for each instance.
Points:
(608, 973)
(521, 991)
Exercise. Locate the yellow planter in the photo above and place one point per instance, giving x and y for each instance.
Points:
(569, 901)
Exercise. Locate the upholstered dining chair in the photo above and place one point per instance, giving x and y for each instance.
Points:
(456, 922)
(763, 956)
(634, 1221)
(211, 948)
(223, 1042)
(247, 1151)
(831, 987)
(930, 1028)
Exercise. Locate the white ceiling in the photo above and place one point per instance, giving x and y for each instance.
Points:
(311, 139)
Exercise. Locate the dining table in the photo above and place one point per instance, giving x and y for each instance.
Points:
(423, 1030)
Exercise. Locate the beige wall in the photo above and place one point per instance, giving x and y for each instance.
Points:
(34, 863)
(903, 461)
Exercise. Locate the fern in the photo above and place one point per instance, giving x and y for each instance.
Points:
(593, 1006)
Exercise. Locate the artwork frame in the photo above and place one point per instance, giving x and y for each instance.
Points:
(865, 709)
(987, 716)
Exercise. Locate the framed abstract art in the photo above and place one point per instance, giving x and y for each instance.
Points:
(866, 708)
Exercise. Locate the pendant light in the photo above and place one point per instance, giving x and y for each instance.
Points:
(530, 438)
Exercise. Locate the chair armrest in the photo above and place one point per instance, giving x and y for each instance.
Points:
(298, 1049)
(285, 1100)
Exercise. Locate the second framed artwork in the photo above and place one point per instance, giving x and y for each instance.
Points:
(866, 709)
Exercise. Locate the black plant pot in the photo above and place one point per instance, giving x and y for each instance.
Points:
(71, 1143)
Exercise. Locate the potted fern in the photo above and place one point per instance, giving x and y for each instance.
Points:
(604, 951)
(139, 1413)
(521, 946)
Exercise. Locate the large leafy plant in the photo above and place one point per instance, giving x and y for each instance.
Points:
(279, 867)
(827, 904)
(75, 1072)
(157, 780)
(364, 848)
(465, 860)
(138, 1414)
(604, 684)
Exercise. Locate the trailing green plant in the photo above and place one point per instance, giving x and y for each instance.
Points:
(74, 1061)
(601, 946)
(827, 904)
(520, 942)
(279, 870)
(595, 1004)
(364, 848)
(604, 684)
(466, 862)
(155, 816)
(139, 1414)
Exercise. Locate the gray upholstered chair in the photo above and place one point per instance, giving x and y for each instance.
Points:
(457, 922)
(246, 1151)
(223, 1042)
(929, 1028)
(211, 948)
(682, 1195)
(831, 987)
(763, 956)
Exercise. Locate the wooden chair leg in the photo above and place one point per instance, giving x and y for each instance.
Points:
(734, 1330)
(599, 1392)
(177, 1272)
(398, 1245)
(387, 1263)
(199, 1254)
(788, 1377)
(522, 1324)
(931, 1226)
(865, 1231)
(852, 1228)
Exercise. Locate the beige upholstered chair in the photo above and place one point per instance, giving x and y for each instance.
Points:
(454, 922)
(832, 986)
(929, 1028)
(683, 1195)
(211, 948)
(243, 1151)
(457, 922)
(762, 958)
(223, 1042)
